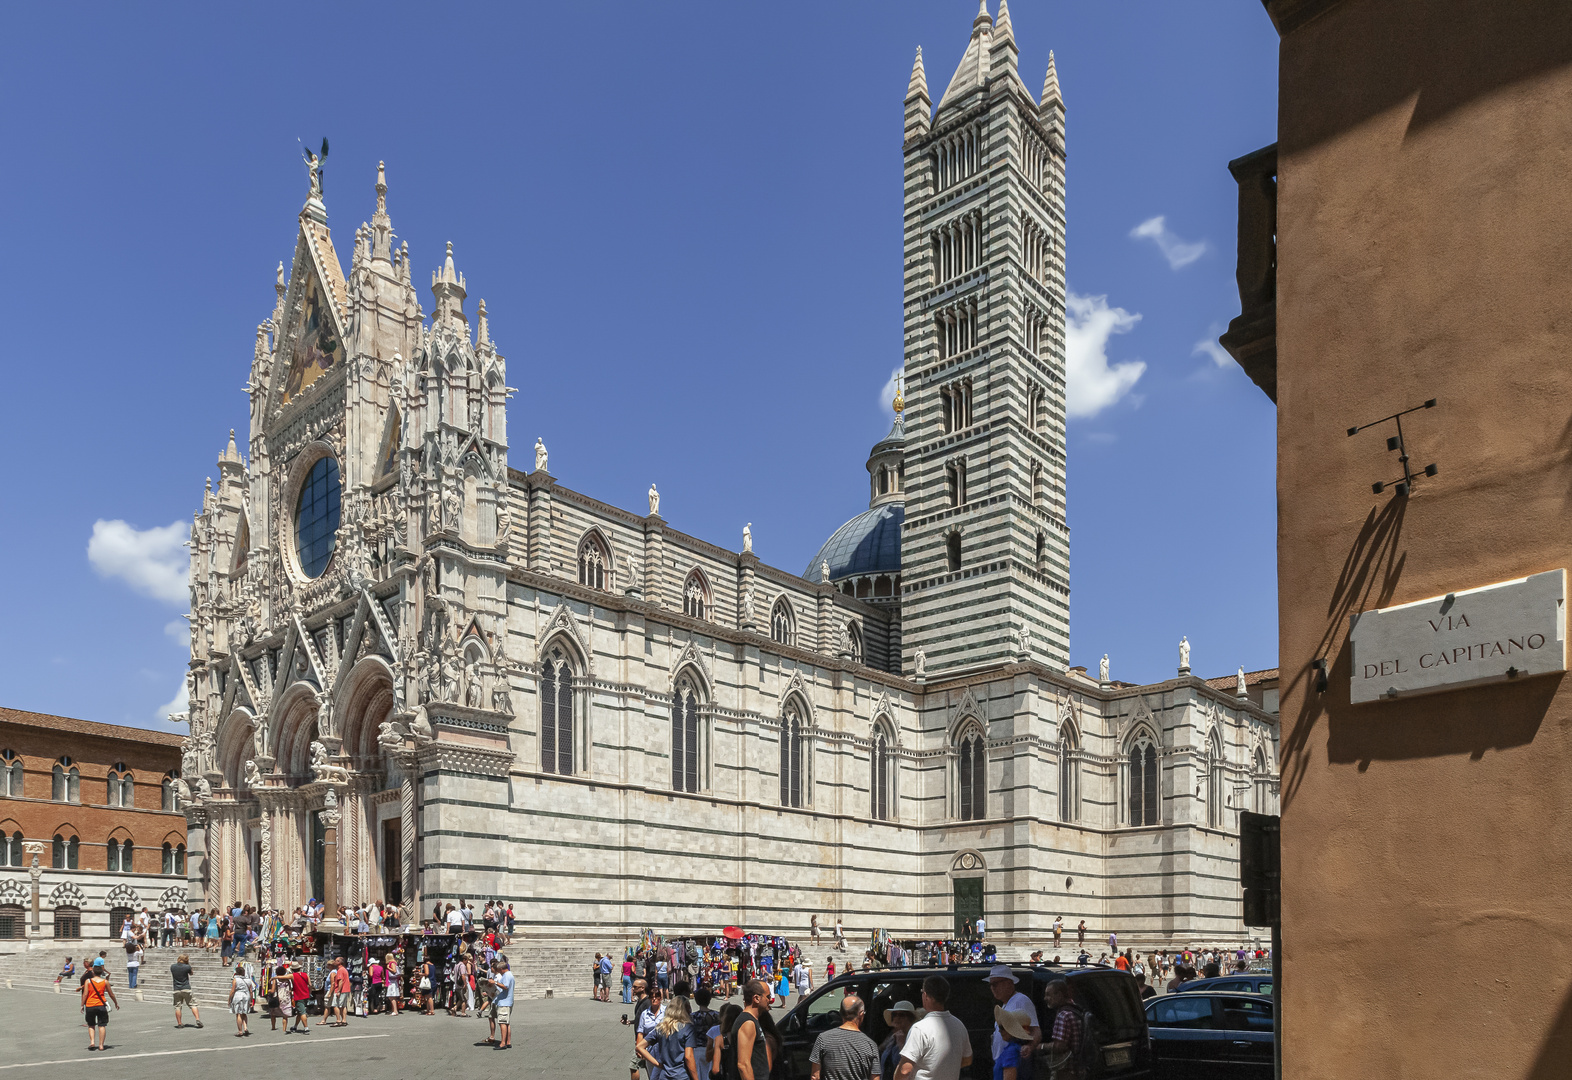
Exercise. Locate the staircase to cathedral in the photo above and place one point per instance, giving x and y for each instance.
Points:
(37, 967)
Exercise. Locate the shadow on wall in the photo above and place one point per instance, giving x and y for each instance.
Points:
(1369, 579)
(1551, 1064)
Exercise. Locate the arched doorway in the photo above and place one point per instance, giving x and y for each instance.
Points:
(968, 883)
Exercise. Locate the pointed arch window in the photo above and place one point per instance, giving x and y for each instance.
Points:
(174, 861)
(1262, 782)
(792, 786)
(67, 786)
(11, 849)
(10, 775)
(1069, 780)
(783, 628)
(685, 738)
(695, 596)
(121, 791)
(1143, 785)
(854, 640)
(556, 713)
(1214, 782)
(973, 775)
(594, 563)
(64, 854)
(881, 777)
(168, 799)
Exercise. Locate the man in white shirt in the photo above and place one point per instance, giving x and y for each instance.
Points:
(982, 927)
(1002, 981)
(455, 919)
(802, 978)
(937, 1047)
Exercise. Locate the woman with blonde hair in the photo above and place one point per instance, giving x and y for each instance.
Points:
(395, 981)
(669, 1047)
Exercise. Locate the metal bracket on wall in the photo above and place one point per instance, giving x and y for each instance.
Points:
(1405, 483)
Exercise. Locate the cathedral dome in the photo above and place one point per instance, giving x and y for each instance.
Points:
(869, 543)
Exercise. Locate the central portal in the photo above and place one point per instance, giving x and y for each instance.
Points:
(968, 903)
(318, 857)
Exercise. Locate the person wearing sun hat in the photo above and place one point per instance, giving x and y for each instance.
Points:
(1002, 981)
(900, 1017)
(1013, 1033)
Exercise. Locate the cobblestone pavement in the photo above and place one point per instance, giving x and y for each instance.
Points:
(44, 1036)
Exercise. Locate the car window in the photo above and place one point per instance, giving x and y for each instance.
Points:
(824, 1011)
(885, 993)
(1181, 1012)
(1264, 987)
(1246, 1014)
(1231, 986)
(1112, 997)
(971, 1002)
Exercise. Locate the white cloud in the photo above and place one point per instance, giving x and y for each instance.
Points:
(1092, 383)
(154, 561)
(1208, 346)
(178, 704)
(178, 631)
(1178, 253)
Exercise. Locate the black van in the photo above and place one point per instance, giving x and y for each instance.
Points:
(1108, 994)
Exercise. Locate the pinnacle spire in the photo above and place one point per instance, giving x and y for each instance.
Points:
(1051, 85)
(918, 87)
(447, 285)
(982, 16)
(483, 332)
(381, 224)
(972, 71)
(1001, 26)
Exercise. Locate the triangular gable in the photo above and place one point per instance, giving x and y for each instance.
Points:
(313, 343)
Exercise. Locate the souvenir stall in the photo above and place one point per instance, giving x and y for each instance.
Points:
(722, 962)
(911, 952)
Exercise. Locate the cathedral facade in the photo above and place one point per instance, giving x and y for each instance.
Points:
(421, 673)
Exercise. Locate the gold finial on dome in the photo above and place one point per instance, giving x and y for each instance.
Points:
(900, 394)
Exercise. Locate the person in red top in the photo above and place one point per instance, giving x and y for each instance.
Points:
(1122, 961)
(299, 989)
(829, 968)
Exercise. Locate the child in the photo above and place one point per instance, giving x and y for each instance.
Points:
(67, 971)
(1013, 1029)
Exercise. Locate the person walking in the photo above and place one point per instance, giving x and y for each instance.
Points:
(802, 975)
(605, 978)
(241, 991)
(937, 1047)
(503, 982)
(338, 988)
(840, 935)
(667, 1047)
(845, 1053)
(813, 929)
(1058, 929)
(180, 974)
(641, 1004)
(899, 1017)
(1080, 933)
(427, 987)
(749, 1050)
(627, 980)
(133, 962)
(96, 998)
(376, 994)
(299, 990)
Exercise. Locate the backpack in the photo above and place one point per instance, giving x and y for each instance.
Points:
(1089, 1054)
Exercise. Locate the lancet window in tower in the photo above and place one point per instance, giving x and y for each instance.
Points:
(955, 399)
(957, 328)
(1036, 329)
(1036, 249)
(556, 713)
(972, 767)
(1036, 408)
(957, 246)
(1034, 160)
(955, 482)
(957, 156)
(879, 778)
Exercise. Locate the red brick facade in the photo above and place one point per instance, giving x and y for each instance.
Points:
(95, 816)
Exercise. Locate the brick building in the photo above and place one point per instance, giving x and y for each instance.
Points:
(97, 804)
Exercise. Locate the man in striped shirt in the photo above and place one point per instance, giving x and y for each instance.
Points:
(1067, 1031)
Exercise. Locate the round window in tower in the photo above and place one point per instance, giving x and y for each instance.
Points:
(316, 517)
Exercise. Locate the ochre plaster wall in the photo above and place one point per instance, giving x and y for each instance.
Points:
(1425, 250)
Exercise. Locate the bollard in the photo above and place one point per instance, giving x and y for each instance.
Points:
(139, 993)
(57, 987)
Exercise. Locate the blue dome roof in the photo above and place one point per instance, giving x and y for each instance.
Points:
(869, 543)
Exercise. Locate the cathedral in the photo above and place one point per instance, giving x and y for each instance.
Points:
(420, 672)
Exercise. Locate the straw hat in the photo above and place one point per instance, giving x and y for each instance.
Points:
(903, 1007)
(1014, 1023)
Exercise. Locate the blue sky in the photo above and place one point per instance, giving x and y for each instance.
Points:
(685, 220)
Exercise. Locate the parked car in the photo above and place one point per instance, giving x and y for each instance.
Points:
(1111, 996)
(1210, 1036)
(1240, 982)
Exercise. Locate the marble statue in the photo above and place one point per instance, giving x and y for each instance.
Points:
(747, 537)
(420, 726)
(253, 774)
(389, 737)
(472, 684)
(540, 455)
(824, 571)
(330, 800)
(1184, 654)
(1023, 640)
(921, 660)
(1240, 690)
(501, 699)
(654, 502)
(1102, 669)
(322, 770)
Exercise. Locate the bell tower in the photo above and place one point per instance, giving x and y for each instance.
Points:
(985, 548)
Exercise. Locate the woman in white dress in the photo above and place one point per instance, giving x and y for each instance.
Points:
(241, 990)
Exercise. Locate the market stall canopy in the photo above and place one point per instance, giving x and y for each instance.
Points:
(733, 933)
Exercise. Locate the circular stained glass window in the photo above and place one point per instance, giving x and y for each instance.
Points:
(316, 517)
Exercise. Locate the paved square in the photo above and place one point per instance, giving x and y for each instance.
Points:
(45, 1037)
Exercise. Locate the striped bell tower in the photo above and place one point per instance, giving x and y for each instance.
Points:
(985, 550)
